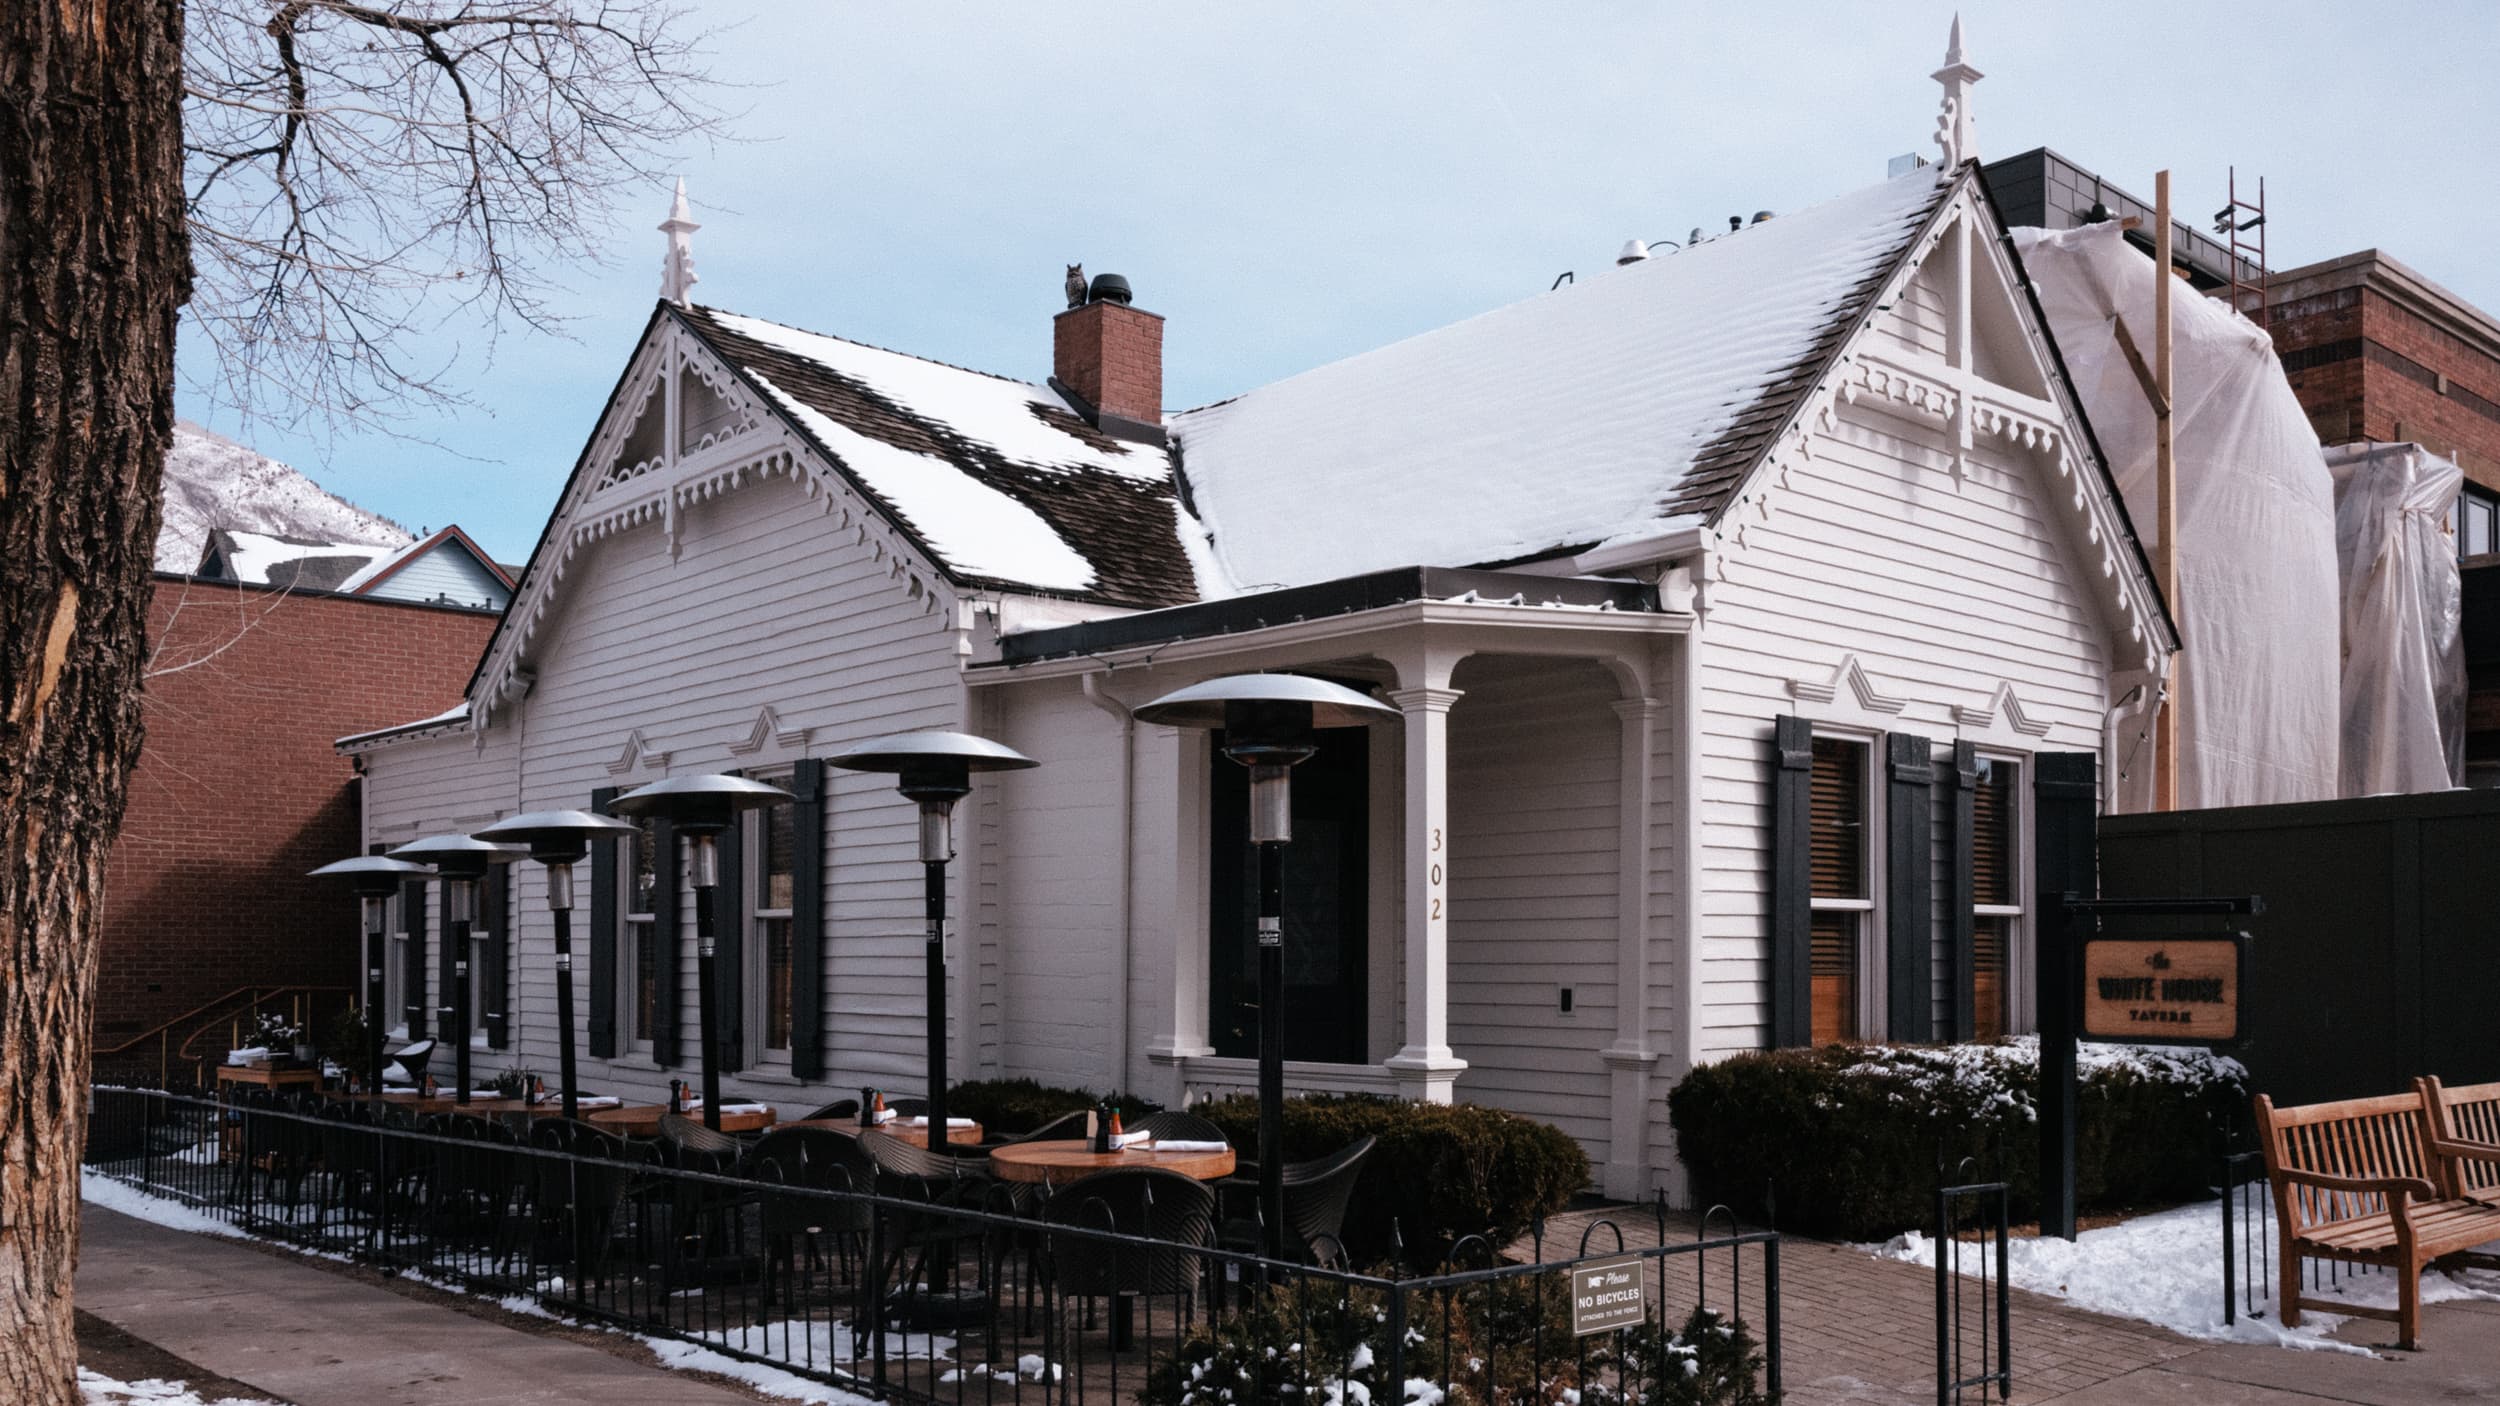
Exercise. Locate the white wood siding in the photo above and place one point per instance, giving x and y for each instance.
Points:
(446, 573)
(1535, 851)
(766, 601)
(1943, 589)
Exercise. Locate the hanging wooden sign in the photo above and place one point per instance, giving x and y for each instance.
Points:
(2163, 991)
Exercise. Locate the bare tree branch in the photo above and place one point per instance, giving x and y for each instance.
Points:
(357, 174)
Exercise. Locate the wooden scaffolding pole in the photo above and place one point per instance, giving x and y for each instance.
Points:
(2166, 491)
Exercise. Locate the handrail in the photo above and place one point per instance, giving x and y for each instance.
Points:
(264, 996)
(205, 1008)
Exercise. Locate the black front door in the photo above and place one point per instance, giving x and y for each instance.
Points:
(1327, 884)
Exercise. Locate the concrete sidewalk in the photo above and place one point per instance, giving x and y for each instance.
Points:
(303, 1332)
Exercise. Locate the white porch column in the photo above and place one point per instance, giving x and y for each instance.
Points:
(1425, 1068)
(1173, 803)
(1630, 1058)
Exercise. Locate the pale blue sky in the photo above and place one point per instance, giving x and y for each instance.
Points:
(1290, 184)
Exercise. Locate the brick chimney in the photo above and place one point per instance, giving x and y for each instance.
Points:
(1108, 357)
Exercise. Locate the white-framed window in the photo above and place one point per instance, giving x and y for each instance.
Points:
(481, 893)
(2478, 521)
(2000, 934)
(395, 999)
(771, 854)
(1846, 999)
(641, 969)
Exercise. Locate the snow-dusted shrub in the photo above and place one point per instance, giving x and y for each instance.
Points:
(1504, 1343)
(1439, 1172)
(1850, 1136)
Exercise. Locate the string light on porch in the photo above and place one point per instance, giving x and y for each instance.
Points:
(559, 839)
(935, 769)
(699, 808)
(1268, 722)
(375, 878)
(460, 862)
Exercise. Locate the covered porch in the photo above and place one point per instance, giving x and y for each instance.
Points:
(1477, 893)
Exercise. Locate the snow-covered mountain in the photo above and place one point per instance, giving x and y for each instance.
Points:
(211, 481)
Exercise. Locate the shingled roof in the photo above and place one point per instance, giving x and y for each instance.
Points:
(1615, 408)
(1000, 481)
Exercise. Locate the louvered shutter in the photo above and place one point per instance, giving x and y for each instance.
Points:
(666, 864)
(1964, 778)
(1909, 888)
(1792, 880)
(807, 920)
(495, 896)
(603, 920)
(729, 947)
(412, 961)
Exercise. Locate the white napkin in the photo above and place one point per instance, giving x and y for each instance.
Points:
(887, 1116)
(923, 1121)
(1177, 1145)
(594, 1101)
(246, 1056)
(1131, 1140)
(697, 1107)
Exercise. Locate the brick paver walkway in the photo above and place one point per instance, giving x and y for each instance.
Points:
(1861, 1329)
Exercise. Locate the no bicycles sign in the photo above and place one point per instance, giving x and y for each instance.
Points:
(1607, 1295)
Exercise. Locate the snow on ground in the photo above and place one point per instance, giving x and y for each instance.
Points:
(2166, 1269)
(97, 1389)
(692, 1357)
(96, 1189)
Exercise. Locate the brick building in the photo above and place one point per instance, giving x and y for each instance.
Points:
(238, 792)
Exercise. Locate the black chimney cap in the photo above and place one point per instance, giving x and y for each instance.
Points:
(1109, 288)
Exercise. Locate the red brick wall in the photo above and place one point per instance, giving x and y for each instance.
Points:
(2407, 351)
(238, 791)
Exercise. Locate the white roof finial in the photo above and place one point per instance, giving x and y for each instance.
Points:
(1955, 131)
(677, 275)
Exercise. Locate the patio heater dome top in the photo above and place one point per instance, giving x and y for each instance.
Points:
(457, 856)
(555, 836)
(373, 875)
(1210, 704)
(909, 751)
(699, 804)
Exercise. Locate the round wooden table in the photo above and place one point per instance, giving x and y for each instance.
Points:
(643, 1119)
(1065, 1161)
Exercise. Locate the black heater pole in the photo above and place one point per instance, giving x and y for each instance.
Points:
(374, 947)
(560, 906)
(706, 875)
(460, 1024)
(1271, 1048)
(934, 903)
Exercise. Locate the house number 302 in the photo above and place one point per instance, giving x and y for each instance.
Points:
(1432, 876)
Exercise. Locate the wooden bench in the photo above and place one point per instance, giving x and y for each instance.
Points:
(2368, 1181)
(2468, 1115)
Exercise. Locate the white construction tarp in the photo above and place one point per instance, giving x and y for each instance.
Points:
(2404, 643)
(2258, 683)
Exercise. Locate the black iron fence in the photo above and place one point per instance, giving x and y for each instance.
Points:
(1973, 1330)
(913, 1275)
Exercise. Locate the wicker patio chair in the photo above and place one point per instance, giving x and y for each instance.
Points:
(1316, 1196)
(1175, 1212)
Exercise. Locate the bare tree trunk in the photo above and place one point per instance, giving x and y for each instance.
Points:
(94, 265)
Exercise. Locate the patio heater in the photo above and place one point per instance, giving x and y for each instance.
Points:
(1268, 722)
(375, 878)
(460, 862)
(699, 808)
(559, 839)
(935, 769)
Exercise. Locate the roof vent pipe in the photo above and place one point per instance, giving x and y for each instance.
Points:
(1634, 251)
(1760, 215)
(1109, 288)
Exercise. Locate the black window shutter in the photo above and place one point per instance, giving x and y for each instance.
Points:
(495, 895)
(807, 919)
(1792, 882)
(412, 961)
(665, 862)
(1964, 779)
(1909, 888)
(729, 947)
(603, 870)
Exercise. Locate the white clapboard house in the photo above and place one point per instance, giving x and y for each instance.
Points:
(1744, 606)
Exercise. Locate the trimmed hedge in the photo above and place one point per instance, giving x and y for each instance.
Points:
(1440, 1172)
(1850, 1135)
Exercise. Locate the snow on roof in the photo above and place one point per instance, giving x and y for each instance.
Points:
(1613, 408)
(253, 556)
(458, 712)
(1002, 481)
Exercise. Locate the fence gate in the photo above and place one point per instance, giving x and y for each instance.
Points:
(1971, 1226)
